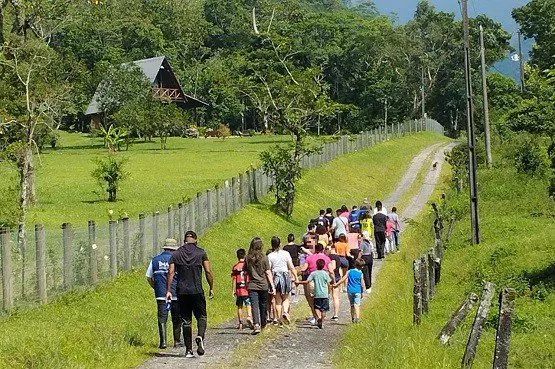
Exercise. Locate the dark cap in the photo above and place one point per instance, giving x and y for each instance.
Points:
(191, 234)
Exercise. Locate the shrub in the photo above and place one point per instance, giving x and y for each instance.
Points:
(223, 131)
(109, 173)
(530, 157)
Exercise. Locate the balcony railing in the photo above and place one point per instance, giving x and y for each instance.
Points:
(173, 94)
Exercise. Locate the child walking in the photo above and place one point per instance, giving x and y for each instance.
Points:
(322, 286)
(240, 278)
(355, 288)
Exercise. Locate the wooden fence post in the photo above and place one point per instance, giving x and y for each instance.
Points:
(170, 222)
(112, 225)
(503, 337)
(155, 236)
(7, 278)
(93, 261)
(417, 293)
(458, 316)
(209, 203)
(431, 273)
(67, 242)
(40, 241)
(181, 231)
(142, 238)
(127, 257)
(424, 283)
(477, 327)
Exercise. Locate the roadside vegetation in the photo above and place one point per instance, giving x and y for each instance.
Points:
(114, 325)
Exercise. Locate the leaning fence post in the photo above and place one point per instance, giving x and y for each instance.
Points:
(458, 316)
(40, 240)
(503, 337)
(127, 262)
(477, 327)
(424, 283)
(93, 267)
(112, 224)
(142, 238)
(417, 293)
(7, 279)
(67, 242)
(155, 236)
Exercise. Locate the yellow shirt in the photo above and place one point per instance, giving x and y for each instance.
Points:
(367, 225)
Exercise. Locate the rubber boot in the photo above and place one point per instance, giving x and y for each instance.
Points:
(163, 331)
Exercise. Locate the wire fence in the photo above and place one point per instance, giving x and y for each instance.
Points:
(48, 262)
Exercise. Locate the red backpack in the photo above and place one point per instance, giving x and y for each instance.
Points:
(241, 277)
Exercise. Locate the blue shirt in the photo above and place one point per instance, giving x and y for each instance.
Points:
(158, 270)
(354, 281)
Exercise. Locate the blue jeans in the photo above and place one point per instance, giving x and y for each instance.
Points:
(396, 240)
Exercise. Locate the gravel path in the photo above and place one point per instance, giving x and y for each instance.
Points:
(222, 341)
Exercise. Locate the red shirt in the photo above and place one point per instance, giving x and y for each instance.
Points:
(241, 278)
(312, 259)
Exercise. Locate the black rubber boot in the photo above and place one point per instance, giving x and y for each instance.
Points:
(163, 331)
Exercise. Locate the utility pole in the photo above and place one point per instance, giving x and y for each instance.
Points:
(423, 95)
(489, 160)
(522, 85)
(472, 164)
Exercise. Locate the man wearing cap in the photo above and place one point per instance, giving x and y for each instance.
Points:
(188, 262)
(157, 276)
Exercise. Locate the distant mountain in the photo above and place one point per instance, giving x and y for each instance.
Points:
(500, 10)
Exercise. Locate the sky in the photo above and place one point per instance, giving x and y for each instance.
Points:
(499, 10)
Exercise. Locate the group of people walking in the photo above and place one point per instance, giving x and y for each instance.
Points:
(335, 256)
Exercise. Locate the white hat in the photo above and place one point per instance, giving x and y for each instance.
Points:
(170, 244)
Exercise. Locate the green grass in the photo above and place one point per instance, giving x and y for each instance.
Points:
(157, 178)
(94, 329)
(518, 230)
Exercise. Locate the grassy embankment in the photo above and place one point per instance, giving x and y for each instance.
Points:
(157, 178)
(113, 326)
(518, 230)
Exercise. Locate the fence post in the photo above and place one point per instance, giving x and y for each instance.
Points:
(457, 317)
(40, 240)
(234, 196)
(417, 293)
(67, 241)
(209, 217)
(190, 220)
(431, 273)
(93, 261)
(142, 238)
(181, 231)
(170, 222)
(155, 236)
(477, 327)
(503, 337)
(198, 213)
(127, 261)
(7, 278)
(424, 283)
(112, 224)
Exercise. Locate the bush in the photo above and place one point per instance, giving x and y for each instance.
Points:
(109, 173)
(530, 157)
(223, 131)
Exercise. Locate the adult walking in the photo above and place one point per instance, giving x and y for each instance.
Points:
(379, 220)
(365, 245)
(188, 262)
(280, 265)
(157, 277)
(261, 281)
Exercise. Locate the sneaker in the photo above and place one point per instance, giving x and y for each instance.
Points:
(334, 318)
(189, 354)
(312, 320)
(356, 320)
(200, 345)
(286, 319)
(255, 331)
(319, 323)
(369, 290)
(275, 322)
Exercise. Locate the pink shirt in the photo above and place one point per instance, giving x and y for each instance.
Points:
(312, 259)
(389, 227)
(352, 238)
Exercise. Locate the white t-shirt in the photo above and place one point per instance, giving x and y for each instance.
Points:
(340, 226)
(279, 261)
(383, 211)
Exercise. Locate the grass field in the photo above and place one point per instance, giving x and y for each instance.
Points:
(518, 231)
(114, 325)
(157, 178)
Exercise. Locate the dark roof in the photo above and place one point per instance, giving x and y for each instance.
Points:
(150, 68)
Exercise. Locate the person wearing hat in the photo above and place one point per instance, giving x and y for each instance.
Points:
(157, 276)
(186, 266)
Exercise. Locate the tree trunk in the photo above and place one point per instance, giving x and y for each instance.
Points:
(27, 177)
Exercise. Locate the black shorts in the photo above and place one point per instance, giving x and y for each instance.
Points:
(322, 304)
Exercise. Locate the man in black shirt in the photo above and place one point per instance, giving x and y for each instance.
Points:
(189, 261)
(293, 249)
(379, 220)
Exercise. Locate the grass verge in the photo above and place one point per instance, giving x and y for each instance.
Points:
(114, 325)
(517, 251)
